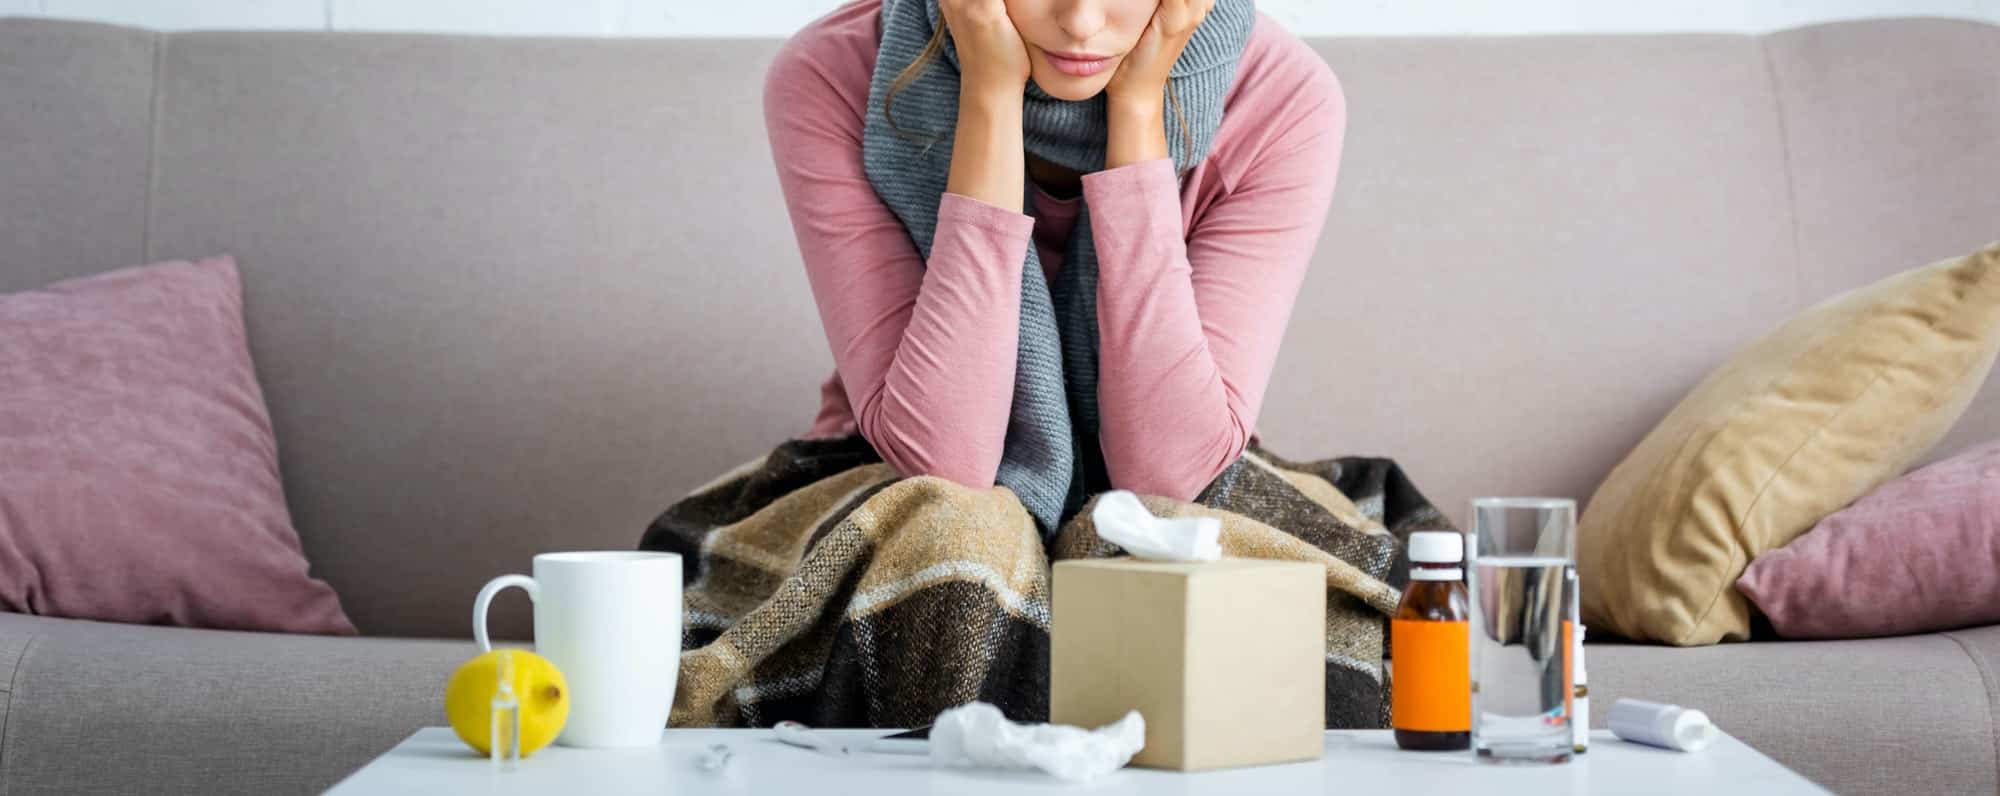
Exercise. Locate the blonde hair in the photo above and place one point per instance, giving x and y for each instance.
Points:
(908, 76)
(934, 49)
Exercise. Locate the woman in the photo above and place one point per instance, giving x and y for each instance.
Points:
(1054, 245)
(1195, 282)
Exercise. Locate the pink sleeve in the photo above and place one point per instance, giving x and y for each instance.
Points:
(1189, 329)
(926, 354)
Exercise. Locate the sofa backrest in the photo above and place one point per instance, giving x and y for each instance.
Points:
(509, 295)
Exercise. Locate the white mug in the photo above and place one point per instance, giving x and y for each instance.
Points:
(612, 623)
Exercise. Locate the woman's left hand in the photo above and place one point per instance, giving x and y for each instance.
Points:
(1142, 76)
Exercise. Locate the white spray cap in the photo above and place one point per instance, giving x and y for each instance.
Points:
(1437, 547)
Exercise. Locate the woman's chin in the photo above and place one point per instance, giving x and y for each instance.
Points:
(1068, 87)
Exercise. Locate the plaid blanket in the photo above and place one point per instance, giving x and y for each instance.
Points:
(825, 589)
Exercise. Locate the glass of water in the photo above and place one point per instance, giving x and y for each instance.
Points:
(1521, 551)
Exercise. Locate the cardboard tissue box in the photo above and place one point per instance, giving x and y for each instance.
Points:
(1226, 659)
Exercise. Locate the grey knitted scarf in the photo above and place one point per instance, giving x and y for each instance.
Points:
(1052, 460)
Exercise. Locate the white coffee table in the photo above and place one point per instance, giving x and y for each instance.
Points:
(1357, 761)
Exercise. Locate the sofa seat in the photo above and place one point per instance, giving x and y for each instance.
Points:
(104, 708)
(1910, 714)
(92, 707)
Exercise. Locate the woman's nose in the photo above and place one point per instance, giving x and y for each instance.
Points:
(1080, 19)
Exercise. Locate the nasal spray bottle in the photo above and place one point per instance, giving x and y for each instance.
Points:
(1579, 701)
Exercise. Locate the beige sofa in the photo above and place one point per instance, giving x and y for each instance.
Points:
(515, 295)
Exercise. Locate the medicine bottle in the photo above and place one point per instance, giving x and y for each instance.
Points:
(1430, 678)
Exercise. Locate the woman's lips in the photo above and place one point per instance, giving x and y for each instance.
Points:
(1076, 64)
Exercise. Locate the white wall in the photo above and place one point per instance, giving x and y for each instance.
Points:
(780, 17)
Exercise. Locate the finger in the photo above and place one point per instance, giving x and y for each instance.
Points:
(1154, 30)
(1192, 12)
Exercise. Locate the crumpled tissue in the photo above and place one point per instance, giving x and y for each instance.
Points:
(1122, 520)
(976, 734)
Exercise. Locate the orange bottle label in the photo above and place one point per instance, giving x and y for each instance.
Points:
(1569, 673)
(1430, 685)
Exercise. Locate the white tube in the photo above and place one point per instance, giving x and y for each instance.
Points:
(1664, 726)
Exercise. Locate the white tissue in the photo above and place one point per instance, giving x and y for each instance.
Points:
(1122, 520)
(976, 734)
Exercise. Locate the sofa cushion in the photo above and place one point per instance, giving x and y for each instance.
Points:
(1918, 554)
(138, 474)
(1840, 399)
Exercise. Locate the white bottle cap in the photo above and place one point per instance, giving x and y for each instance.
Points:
(1437, 547)
(1664, 726)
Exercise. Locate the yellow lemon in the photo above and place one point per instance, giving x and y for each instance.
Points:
(538, 686)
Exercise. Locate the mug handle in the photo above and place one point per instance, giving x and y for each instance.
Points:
(485, 599)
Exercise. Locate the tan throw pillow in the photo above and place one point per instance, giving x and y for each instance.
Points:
(1842, 398)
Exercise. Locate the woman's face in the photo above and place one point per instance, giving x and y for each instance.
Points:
(1074, 46)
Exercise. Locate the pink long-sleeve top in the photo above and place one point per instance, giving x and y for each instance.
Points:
(1196, 280)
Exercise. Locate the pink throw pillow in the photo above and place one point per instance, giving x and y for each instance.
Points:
(1922, 553)
(138, 472)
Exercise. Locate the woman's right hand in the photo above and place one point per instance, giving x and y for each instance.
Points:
(991, 55)
(987, 160)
